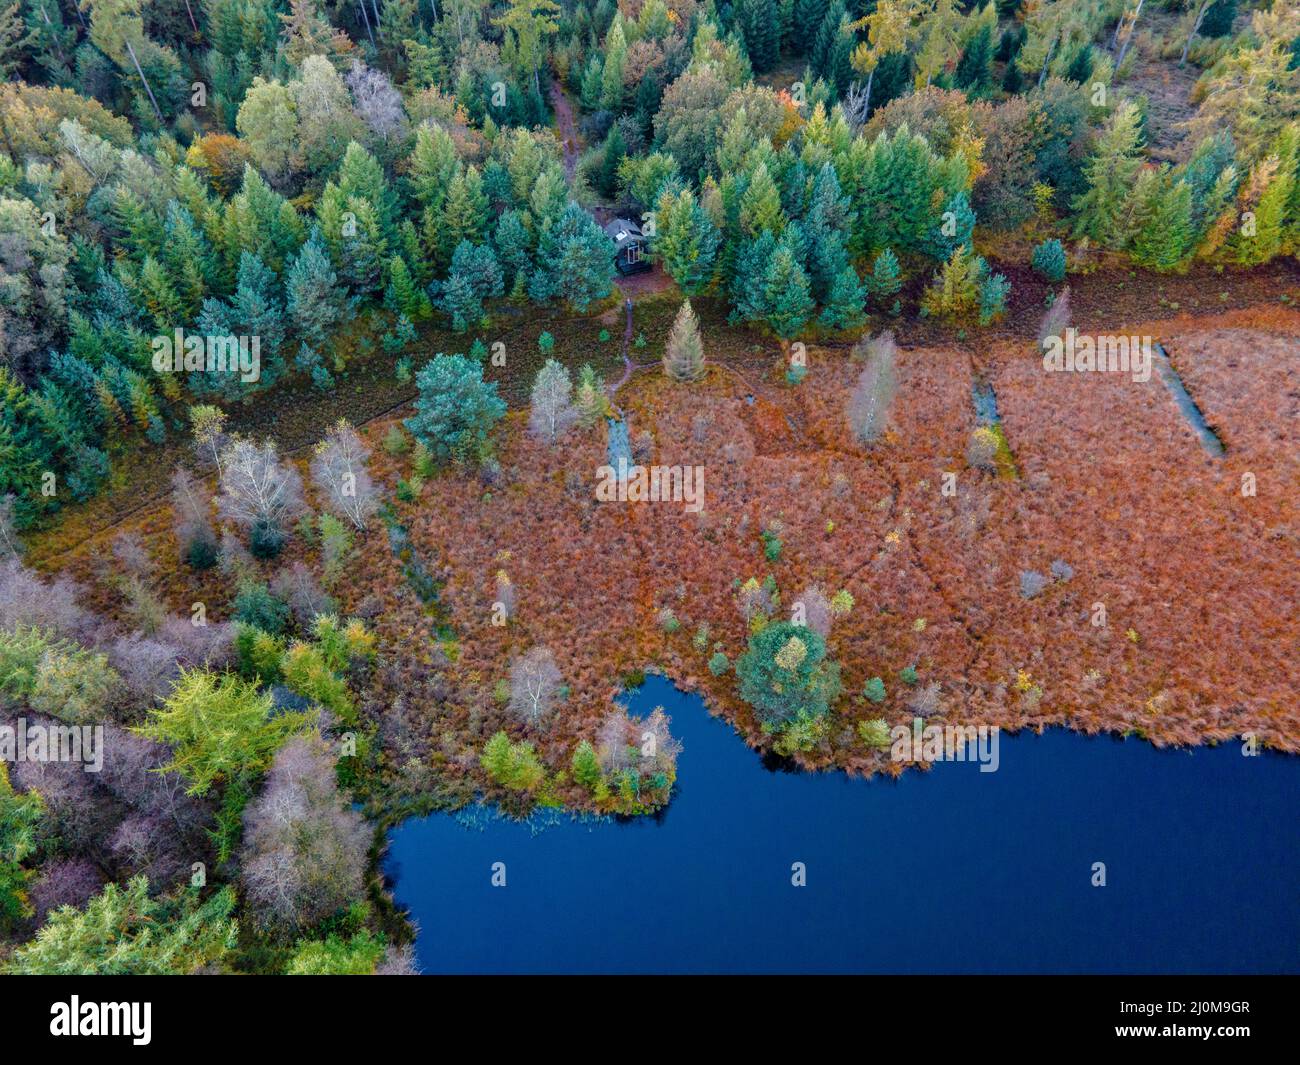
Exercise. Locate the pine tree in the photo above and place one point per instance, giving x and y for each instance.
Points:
(615, 150)
(760, 206)
(686, 240)
(846, 301)
(1163, 221)
(787, 302)
(465, 212)
(759, 22)
(886, 279)
(1111, 173)
(955, 291)
(315, 300)
(575, 258)
(684, 353)
(973, 73)
(403, 295)
(513, 245)
(611, 84)
(456, 409)
(805, 22)
(460, 302)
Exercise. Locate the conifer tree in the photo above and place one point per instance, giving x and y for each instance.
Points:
(760, 25)
(684, 353)
(403, 295)
(886, 279)
(845, 302)
(1102, 211)
(686, 240)
(787, 302)
(575, 259)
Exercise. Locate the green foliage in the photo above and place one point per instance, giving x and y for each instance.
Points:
(772, 545)
(908, 675)
(259, 654)
(220, 728)
(874, 733)
(55, 677)
(719, 663)
(686, 240)
(512, 765)
(575, 259)
(875, 690)
(1049, 261)
(786, 677)
(256, 606)
(336, 956)
(456, 409)
(886, 278)
(125, 932)
(586, 766)
(20, 814)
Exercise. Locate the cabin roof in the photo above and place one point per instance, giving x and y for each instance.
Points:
(623, 232)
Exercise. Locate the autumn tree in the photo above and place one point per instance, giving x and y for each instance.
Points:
(552, 412)
(868, 410)
(260, 493)
(684, 352)
(338, 467)
(1101, 212)
(535, 682)
(304, 854)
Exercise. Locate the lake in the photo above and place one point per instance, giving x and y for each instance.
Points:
(950, 871)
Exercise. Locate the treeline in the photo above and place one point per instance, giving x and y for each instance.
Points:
(325, 179)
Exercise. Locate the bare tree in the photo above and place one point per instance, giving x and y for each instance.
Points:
(816, 610)
(375, 101)
(534, 685)
(856, 104)
(305, 848)
(147, 666)
(659, 749)
(552, 413)
(27, 600)
(258, 491)
(10, 545)
(192, 509)
(339, 470)
(298, 587)
(1057, 318)
(614, 740)
(869, 405)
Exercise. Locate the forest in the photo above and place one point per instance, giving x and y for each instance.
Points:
(312, 340)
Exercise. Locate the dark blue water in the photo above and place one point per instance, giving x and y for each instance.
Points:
(947, 871)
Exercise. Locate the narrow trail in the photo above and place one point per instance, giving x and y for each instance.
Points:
(568, 128)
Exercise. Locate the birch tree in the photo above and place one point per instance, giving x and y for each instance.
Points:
(339, 469)
(534, 685)
(552, 413)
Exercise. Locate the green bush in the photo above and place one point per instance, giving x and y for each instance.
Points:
(785, 676)
(1049, 261)
(256, 606)
(874, 733)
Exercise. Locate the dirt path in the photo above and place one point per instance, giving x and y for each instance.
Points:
(567, 127)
